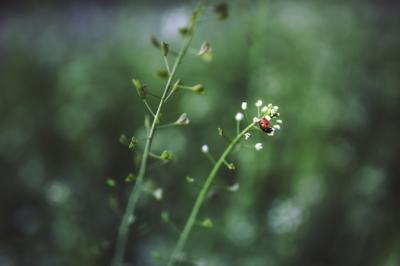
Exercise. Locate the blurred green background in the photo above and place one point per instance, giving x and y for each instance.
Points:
(324, 191)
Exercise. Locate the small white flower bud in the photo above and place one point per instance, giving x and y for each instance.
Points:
(244, 106)
(255, 119)
(258, 146)
(277, 127)
(267, 117)
(264, 109)
(234, 187)
(158, 193)
(239, 116)
(279, 121)
(205, 47)
(259, 103)
(204, 148)
(247, 136)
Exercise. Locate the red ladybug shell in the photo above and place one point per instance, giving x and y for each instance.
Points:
(265, 125)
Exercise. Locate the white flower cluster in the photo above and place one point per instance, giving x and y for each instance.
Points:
(266, 119)
(269, 122)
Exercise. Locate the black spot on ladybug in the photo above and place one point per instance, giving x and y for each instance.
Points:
(269, 130)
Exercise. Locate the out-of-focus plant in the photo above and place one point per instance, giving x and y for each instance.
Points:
(172, 85)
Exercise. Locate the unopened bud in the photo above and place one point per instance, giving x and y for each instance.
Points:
(162, 74)
(140, 88)
(133, 143)
(204, 48)
(184, 31)
(221, 10)
(176, 85)
(183, 119)
(199, 88)
(155, 42)
(123, 139)
(164, 48)
(158, 194)
(166, 156)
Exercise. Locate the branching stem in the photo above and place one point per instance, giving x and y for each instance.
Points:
(202, 196)
(123, 229)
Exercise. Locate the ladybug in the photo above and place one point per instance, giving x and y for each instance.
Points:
(265, 125)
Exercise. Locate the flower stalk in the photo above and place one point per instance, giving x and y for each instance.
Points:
(128, 216)
(202, 195)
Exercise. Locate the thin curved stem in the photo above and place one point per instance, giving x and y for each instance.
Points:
(128, 217)
(202, 196)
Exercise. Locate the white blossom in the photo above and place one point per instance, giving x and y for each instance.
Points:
(279, 121)
(256, 119)
(204, 148)
(158, 193)
(259, 103)
(264, 109)
(247, 136)
(239, 116)
(277, 127)
(244, 106)
(258, 146)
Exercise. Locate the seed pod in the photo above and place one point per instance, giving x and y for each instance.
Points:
(164, 48)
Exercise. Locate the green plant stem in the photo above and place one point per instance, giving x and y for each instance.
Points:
(137, 188)
(202, 196)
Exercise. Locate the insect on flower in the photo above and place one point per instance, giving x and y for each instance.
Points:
(265, 125)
